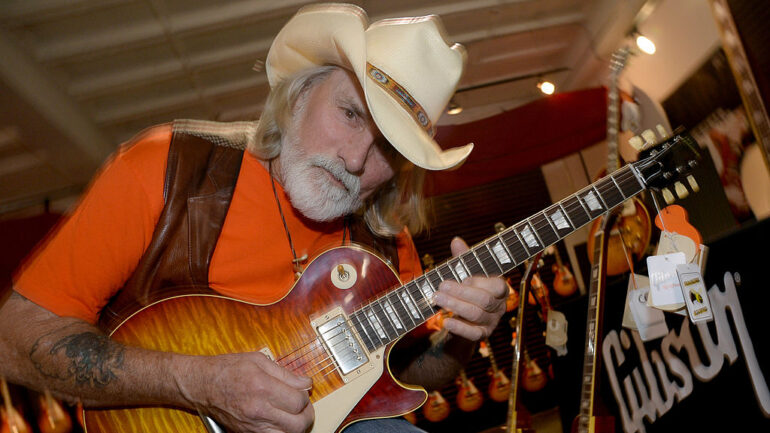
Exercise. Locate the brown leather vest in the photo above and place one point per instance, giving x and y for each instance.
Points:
(204, 161)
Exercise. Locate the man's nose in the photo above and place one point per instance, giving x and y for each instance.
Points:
(356, 151)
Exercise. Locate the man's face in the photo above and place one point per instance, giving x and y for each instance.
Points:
(333, 156)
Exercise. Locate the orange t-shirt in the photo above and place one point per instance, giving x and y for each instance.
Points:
(90, 255)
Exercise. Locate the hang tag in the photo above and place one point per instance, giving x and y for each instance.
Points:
(556, 332)
(665, 292)
(641, 281)
(650, 322)
(694, 293)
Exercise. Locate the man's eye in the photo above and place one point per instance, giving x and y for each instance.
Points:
(350, 114)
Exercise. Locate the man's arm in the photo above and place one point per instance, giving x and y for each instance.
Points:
(477, 305)
(76, 361)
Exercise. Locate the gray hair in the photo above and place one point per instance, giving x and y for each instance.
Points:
(396, 204)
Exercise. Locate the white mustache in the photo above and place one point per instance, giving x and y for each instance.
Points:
(351, 182)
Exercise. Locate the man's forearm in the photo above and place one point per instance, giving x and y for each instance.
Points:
(76, 361)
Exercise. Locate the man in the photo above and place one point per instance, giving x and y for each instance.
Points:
(339, 152)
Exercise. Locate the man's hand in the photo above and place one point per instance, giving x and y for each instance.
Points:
(477, 302)
(247, 392)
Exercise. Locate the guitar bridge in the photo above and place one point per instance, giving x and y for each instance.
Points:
(341, 341)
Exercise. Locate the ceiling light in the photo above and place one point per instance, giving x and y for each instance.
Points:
(546, 87)
(454, 107)
(645, 44)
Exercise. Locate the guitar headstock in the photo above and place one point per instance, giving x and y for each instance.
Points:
(667, 162)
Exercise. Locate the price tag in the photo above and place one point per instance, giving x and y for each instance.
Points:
(694, 292)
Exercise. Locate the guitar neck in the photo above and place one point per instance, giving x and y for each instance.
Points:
(613, 108)
(400, 310)
(591, 358)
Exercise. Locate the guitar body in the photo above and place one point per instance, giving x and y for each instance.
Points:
(564, 282)
(436, 408)
(210, 325)
(499, 386)
(53, 418)
(636, 229)
(468, 396)
(533, 378)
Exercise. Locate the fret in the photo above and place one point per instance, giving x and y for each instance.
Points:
(628, 182)
(609, 193)
(480, 267)
(544, 229)
(398, 314)
(618, 187)
(385, 321)
(421, 302)
(460, 269)
(529, 238)
(425, 288)
(503, 255)
(514, 246)
(472, 263)
(411, 305)
(576, 212)
(434, 279)
(559, 220)
(487, 259)
(362, 331)
(445, 272)
(590, 198)
(371, 332)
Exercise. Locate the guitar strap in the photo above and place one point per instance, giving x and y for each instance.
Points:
(203, 164)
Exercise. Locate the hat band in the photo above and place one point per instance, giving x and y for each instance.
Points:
(402, 96)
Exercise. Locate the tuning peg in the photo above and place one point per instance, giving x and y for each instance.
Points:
(681, 190)
(661, 131)
(693, 183)
(667, 196)
(636, 142)
(649, 137)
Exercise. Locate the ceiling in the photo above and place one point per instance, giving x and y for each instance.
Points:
(78, 77)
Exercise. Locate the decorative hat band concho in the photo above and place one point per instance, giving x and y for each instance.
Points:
(402, 96)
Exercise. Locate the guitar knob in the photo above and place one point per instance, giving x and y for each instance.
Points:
(693, 183)
(661, 131)
(636, 142)
(667, 196)
(681, 191)
(649, 137)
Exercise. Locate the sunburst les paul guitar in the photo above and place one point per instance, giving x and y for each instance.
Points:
(339, 321)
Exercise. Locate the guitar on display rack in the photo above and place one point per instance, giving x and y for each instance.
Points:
(633, 228)
(499, 384)
(348, 294)
(469, 398)
(588, 421)
(564, 282)
(436, 408)
(12, 420)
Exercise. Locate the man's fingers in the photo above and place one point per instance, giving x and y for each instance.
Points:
(283, 374)
(458, 246)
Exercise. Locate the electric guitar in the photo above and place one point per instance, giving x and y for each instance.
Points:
(340, 320)
(436, 408)
(563, 281)
(469, 398)
(588, 421)
(499, 384)
(11, 419)
(53, 418)
(632, 230)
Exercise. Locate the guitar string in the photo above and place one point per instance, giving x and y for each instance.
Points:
(395, 306)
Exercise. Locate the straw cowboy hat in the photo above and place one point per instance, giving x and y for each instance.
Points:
(406, 68)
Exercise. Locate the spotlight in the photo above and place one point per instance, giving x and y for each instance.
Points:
(546, 87)
(645, 44)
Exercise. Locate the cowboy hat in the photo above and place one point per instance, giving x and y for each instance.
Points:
(407, 71)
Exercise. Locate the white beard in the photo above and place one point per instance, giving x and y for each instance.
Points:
(306, 181)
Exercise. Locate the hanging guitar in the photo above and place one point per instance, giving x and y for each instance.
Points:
(469, 398)
(12, 420)
(518, 417)
(633, 228)
(499, 384)
(53, 418)
(564, 282)
(350, 293)
(436, 408)
(589, 420)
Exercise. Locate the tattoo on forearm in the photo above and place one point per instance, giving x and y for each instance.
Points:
(88, 357)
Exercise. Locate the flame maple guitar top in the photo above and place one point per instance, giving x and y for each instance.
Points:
(211, 325)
